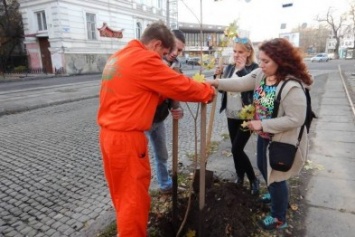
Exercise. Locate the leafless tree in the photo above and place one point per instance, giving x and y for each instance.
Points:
(11, 30)
(312, 39)
(351, 27)
(334, 23)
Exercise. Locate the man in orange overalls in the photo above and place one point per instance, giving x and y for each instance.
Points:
(134, 81)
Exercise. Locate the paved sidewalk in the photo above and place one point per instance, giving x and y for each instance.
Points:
(331, 192)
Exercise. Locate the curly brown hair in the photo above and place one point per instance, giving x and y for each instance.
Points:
(288, 58)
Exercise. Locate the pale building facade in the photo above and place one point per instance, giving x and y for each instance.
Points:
(346, 46)
(212, 35)
(77, 36)
(346, 41)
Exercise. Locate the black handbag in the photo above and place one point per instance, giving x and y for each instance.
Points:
(282, 155)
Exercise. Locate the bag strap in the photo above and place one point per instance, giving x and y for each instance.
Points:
(277, 102)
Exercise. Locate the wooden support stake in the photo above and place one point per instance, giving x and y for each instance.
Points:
(175, 168)
(202, 191)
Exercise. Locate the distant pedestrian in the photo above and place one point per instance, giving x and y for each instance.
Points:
(135, 79)
(232, 103)
(279, 61)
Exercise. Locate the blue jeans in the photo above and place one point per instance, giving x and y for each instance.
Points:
(261, 156)
(278, 190)
(157, 140)
(279, 200)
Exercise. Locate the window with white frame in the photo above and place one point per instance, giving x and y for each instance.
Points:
(41, 20)
(138, 30)
(91, 26)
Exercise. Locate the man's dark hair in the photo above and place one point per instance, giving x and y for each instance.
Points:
(179, 35)
(159, 31)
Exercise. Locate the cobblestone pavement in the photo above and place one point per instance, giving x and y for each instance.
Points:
(52, 181)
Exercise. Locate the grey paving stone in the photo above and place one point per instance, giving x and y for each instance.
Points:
(57, 234)
(40, 235)
(56, 225)
(44, 228)
(63, 228)
(28, 231)
(12, 233)
(69, 232)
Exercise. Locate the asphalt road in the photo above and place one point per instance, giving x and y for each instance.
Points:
(348, 65)
(33, 83)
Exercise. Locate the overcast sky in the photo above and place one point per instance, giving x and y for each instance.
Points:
(261, 17)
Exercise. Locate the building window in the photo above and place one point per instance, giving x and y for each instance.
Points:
(90, 24)
(160, 4)
(138, 30)
(41, 20)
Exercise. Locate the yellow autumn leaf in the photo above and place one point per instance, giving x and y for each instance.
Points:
(247, 112)
(244, 124)
(310, 165)
(294, 207)
(223, 42)
(198, 77)
(191, 233)
(227, 153)
(208, 61)
(231, 30)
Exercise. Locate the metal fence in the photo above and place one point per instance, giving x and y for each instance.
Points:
(32, 71)
(17, 65)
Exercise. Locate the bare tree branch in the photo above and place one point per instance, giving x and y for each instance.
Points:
(335, 23)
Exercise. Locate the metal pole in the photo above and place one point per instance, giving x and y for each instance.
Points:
(167, 13)
(202, 190)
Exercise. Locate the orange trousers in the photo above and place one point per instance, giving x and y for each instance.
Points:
(127, 171)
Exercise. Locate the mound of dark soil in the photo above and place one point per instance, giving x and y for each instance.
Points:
(229, 211)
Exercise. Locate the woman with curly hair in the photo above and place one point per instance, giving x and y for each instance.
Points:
(278, 61)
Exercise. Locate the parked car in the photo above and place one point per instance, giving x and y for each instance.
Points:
(321, 57)
(193, 61)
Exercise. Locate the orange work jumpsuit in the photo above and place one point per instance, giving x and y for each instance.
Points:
(134, 81)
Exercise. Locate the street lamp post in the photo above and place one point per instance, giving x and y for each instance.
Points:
(167, 13)
(284, 25)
